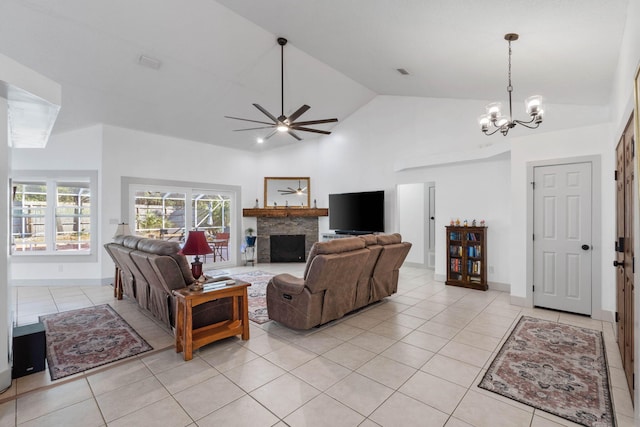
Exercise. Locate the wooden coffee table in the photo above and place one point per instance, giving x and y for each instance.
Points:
(188, 339)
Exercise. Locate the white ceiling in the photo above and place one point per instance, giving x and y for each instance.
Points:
(220, 57)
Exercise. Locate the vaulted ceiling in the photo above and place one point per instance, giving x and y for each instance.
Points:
(219, 57)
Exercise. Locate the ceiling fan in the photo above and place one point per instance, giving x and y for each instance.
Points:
(283, 123)
(298, 191)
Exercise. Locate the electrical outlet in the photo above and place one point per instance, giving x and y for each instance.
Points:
(491, 269)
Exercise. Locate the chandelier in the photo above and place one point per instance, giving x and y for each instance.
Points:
(494, 120)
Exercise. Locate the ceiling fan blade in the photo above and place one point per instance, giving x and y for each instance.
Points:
(324, 132)
(300, 111)
(261, 127)
(248, 120)
(286, 192)
(314, 122)
(290, 132)
(266, 113)
(271, 134)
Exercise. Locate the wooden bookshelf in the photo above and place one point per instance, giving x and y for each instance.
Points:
(466, 257)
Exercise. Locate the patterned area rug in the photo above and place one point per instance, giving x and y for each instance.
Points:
(257, 294)
(557, 368)
(82, 339)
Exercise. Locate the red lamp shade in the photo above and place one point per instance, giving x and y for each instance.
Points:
(196, 245)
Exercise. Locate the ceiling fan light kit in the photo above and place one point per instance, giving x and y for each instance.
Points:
(494, 120)
(283, 123)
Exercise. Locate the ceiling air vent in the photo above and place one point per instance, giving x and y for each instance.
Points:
(149, 62)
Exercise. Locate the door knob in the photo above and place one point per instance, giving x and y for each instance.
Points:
(586, 247)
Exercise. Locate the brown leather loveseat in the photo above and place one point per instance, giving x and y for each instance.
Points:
(150, 270)
(341, 275)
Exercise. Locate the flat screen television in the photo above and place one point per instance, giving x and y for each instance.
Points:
(357, 213)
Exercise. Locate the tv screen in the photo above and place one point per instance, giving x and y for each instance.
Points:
(356, 213)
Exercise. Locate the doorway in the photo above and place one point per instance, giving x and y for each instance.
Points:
(431, 236)
(624, 250)
(415, 207)
(564, 194)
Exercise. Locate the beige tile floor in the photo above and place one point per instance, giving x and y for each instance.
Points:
(413, 360)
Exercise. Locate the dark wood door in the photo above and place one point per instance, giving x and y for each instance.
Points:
(624, 249)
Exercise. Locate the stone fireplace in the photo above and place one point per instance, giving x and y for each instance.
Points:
(306, 227)
(282, 222)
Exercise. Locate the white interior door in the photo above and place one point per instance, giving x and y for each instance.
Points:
(431, 246)
(562, 237)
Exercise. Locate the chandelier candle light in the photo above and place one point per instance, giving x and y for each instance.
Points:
(494, 121)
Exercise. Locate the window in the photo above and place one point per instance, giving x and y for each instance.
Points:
(159, 215)
(162, 209)
(53, 215)
(162, 214)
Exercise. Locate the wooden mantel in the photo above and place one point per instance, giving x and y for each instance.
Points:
(284, 212)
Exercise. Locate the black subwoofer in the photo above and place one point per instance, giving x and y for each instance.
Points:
(29, 349)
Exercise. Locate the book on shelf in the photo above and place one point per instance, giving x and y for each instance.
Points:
(474, 251)
(473, 237)
(474, 267)
(455, 250)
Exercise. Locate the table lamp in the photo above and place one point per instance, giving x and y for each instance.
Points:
(122, 230)
(196, 245)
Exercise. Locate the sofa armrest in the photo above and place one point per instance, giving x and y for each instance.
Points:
(288, 284)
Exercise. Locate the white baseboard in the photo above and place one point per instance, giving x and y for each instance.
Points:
(606, 315)
(520, 301)
(5, 379)
(416, 265)
(62, 282)
(440, 277)
(502, 287)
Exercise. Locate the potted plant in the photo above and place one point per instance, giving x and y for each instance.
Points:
(250, 239)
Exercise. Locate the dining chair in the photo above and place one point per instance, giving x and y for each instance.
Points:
(222, 244)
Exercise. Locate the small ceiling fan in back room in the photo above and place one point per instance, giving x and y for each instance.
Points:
(299, 191)
(283, 123)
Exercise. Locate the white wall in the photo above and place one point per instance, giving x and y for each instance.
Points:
(142, 155)
(593, 140)
(13, 75)
(114, 153)
(5, 310)
(77, 150)
(474, 190)
(360, 155)
(363, 153)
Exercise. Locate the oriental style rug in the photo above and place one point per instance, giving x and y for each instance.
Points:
(557, 368)
(257, 293)
(86, 338)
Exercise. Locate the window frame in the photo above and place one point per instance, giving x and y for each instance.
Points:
(129, 186)
(51, 179)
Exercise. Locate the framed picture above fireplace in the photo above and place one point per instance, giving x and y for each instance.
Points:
(282, 192)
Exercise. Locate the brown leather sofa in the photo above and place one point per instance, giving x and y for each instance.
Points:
(341, 275)
(151, 270)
